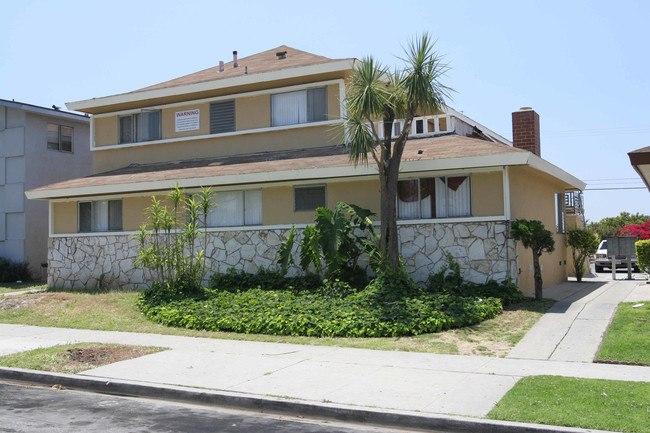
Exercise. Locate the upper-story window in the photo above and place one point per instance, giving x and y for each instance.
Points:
(222, 117)
(299, 107)
(59, 137)
(434, 197)
(143, 126)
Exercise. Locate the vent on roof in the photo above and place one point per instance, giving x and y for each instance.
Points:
(220, 65)
(281, 55)
(234, 59)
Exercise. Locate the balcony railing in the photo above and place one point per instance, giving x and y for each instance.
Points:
(424, 126)
(574, 203)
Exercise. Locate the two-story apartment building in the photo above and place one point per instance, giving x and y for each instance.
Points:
(38, 146)
(263, 131)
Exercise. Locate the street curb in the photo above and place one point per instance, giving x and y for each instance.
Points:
(279, 406)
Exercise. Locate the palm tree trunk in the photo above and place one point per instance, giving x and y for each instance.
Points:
(389, 235)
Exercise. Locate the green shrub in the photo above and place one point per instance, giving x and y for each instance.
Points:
(11, 271)
(643, 254)
(264, 279)
(450, 281)
(391, 305)
(583, 242)
(333, 240)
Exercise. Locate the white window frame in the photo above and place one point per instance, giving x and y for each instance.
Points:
(299, 94)
(560, 212)
(137, 132)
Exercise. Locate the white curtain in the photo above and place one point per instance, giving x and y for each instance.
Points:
(459, 201)
(230, 209)
(289, 108)
(253, 207)
(100, 216)
(441, 197)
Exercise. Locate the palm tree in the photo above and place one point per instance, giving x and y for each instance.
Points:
(373, 93)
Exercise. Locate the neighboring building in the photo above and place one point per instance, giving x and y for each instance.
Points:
(38, 146)
(262, 131)
(640, 160)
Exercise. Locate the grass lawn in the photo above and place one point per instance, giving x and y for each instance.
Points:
(73, 358)
(18, 287)
(587, 403)
(116, 311)
(628, 337)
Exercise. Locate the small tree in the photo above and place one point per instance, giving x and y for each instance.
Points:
(532, 234)
(583, 242)
(168, 240)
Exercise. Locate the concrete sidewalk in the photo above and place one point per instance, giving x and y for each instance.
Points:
(562, 343)
(573, 329)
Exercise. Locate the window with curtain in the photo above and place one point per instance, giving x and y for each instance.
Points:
(100, 216)
(138, 127)
(434, 197)
(236, 208)
(299, 107)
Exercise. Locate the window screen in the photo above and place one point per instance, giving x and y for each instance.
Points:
(222, 117)
(309, 197)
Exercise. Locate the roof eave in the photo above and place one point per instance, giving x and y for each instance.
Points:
(242, 80)
(423, 165)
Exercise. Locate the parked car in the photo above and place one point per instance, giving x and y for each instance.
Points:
(602, 261)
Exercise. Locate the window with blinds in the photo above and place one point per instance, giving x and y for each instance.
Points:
(299, 107)
(222, 117)
(138, 127)
(236, 208)
(434, 197)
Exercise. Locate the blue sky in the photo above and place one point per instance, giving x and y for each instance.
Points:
(582, 65)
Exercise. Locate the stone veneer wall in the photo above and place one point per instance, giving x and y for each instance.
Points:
(107, 261)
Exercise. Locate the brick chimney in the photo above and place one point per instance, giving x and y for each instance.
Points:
(525, 130)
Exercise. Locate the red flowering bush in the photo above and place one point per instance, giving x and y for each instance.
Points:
(641, 230)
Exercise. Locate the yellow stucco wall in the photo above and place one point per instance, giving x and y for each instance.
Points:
(532, 196)
(105, 130)
(299, 138)
(487, 194)
(133, 211)
(65, 217)
(253, 112)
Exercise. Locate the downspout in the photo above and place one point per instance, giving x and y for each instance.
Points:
(506, 213)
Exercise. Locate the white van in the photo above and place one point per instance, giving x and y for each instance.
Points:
(602, 261)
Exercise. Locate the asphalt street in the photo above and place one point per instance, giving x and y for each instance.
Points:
(39, 409)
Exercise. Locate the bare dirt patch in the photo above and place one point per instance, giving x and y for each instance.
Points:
(16, 302)
(102, 355)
